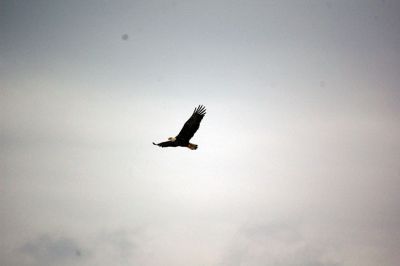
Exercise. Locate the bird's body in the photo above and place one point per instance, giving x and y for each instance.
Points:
(187, 132)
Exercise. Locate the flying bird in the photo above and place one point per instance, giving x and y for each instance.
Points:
(187, 132)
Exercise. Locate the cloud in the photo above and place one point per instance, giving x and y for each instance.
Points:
(276, 244)
(121, 246)
(48, 250)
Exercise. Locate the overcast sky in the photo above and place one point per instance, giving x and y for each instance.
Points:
(298, 158)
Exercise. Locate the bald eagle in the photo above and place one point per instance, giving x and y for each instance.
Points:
(187, 132)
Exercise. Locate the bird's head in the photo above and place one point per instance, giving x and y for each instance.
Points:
(171, 138)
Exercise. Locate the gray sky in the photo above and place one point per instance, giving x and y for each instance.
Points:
(298, 159)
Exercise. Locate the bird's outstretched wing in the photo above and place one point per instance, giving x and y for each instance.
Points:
(192, 125)
(164, 144)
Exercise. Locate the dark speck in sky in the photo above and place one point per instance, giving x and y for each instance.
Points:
(125, 37)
